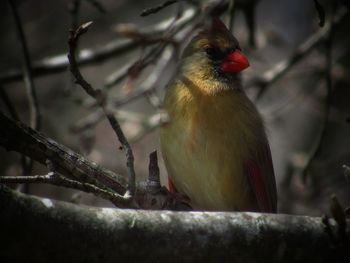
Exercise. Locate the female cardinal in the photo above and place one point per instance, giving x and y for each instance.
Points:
(214, 146)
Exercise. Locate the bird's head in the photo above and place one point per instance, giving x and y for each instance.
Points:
(214, 53)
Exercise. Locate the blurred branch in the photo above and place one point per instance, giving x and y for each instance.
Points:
(321, 13)
(250, 17)
(328, 101)
(112, 235)
(280, 69)
(231, 13)
(153, 10)
(59, 63)
(174, 27)
(35, 118)
(97, 5)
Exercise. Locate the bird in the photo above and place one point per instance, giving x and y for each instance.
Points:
(214, 145)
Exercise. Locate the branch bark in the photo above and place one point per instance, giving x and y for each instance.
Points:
(61, 232)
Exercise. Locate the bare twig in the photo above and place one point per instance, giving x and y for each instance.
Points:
(328, 73)
(73, 38)
(156, 9)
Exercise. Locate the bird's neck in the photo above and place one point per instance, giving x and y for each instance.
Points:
(209, 84)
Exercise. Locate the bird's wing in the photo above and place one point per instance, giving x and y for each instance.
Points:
(171, 185)
(261, 177)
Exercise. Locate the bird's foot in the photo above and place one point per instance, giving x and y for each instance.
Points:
(177, 201)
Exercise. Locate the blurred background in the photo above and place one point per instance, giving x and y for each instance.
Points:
(294, 63)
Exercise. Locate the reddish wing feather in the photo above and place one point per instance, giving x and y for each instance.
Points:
(171, 185)
(262, 180)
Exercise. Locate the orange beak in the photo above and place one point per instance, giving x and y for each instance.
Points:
(234, 62)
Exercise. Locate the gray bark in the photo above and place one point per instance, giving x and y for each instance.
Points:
(41, 230)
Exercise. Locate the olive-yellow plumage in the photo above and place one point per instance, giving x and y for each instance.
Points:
(214, 145)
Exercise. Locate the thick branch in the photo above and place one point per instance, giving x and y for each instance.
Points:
(62, 232)
(19, 137)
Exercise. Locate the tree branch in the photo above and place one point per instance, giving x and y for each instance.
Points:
(109, 235)
(21, 138)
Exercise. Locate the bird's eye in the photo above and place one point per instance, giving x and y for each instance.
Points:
(215, 53)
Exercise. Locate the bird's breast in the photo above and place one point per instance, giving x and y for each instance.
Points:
(205, 144)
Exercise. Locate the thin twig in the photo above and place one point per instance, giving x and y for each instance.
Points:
(55, 179)
(231, 14)
(97, 5)
(321, 13)
(328, 102)
(35, 117)
(59, 63)
(96, 94)
(153, 10)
